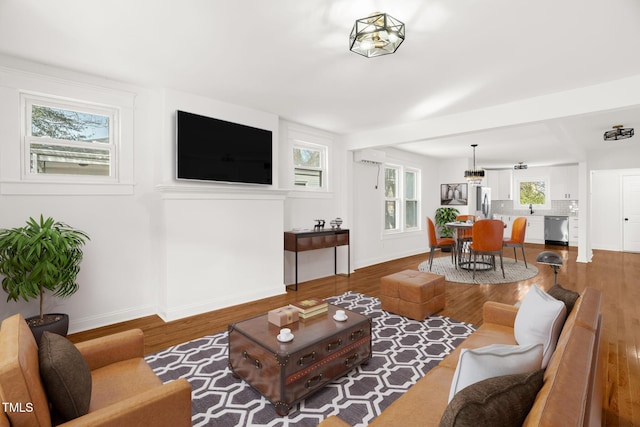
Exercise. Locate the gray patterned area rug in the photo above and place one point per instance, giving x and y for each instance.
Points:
(513, 271)
(404, 350)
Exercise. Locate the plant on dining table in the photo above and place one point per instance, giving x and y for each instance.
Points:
(443, 216)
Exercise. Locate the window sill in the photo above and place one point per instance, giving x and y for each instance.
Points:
(401, 234)
(64, 189)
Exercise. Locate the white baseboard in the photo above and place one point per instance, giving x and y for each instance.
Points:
(92, 322)
(377, 260)
(174, 313)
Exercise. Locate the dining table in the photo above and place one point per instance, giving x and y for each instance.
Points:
(459, 227)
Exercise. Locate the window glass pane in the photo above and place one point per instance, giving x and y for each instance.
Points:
(68, 124)
(410, 185)
(308, 178)
(532, 192)
(57, 159)
(390, 183)
(306, 157)
(390, 219)
(411, 214)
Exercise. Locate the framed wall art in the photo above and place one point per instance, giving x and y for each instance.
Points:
(453, 194)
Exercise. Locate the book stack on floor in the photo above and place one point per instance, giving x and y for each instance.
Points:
(310, 307)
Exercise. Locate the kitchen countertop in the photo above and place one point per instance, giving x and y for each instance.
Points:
(535, 214)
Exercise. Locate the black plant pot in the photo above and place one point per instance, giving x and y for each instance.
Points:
(58, 323)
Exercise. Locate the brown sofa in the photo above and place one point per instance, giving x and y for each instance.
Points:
(124, 391)
(571, 394)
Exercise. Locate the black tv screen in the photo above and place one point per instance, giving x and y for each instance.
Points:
(210, 149)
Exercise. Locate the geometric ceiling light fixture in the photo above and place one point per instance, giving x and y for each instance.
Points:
(474, 176)
(520, 166)
(617, 133)
(376, 35)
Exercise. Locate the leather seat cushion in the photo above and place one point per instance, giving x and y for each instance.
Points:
(119, 381)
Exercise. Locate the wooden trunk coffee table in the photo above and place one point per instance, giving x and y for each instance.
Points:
(322, 350)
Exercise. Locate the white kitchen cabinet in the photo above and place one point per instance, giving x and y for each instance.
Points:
(505, 185)
(564, 182)
(508, 220)
(535, 229)
(505, 219)
(501, 184)
(574, 228)
(493, 178)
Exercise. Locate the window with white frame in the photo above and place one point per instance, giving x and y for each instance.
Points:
(410, 199)
(402, 202)
(70, 140)
(391, 199)
(310, 165)
(533, 192)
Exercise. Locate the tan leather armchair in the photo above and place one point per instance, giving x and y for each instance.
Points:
(125, 391)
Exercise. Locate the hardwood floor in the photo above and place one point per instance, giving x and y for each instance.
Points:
(616, 274)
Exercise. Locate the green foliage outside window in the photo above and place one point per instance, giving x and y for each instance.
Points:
(532, 193)
(308, 169)
(68, 124)
(306, 157)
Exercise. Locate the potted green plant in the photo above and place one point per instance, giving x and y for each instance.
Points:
(443, 216)
(44, 255)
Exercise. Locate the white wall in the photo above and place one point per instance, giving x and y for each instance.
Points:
(451, 171)
(371, 245)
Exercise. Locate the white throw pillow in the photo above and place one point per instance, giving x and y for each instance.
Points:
(494, 360)
(540, 319)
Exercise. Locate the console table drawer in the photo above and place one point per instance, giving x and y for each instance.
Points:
(307, 240)
(305, 244)
(320, 242)
(342, 239)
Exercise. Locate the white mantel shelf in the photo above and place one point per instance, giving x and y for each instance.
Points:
(201, 192)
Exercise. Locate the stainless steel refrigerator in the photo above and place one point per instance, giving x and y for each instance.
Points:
(483, 202)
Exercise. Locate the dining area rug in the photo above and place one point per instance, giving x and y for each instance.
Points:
(513, 271)
(403, 351)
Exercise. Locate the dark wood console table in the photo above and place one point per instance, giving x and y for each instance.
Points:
(300, 241)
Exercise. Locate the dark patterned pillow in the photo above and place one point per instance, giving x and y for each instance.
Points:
(65, 375)
(567, 296)
(498, 402)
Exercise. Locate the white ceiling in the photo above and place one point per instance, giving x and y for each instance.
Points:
(291, 58)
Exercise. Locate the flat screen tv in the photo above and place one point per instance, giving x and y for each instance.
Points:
(210, 149)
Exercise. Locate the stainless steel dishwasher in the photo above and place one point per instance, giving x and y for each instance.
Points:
(556, 230)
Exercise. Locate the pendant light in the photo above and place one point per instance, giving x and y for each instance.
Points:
(474, 176)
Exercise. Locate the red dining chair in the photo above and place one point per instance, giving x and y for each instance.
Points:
(487, 237)
(518, 231)
(438, 243)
